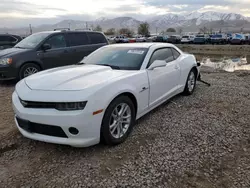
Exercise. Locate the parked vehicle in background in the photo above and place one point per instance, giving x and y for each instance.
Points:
(75, 108)
(174, 39)
(8, 40)
(151, 39)
(161, 38)
(247, 39)
(229, 37)
(187, 39)
(47, 50)
(238, 39)
(140, 39)
(132, 40)
(121, 39)
(219, 39)
(201, 39)
(111, 39)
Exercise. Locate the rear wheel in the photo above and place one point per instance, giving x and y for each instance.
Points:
(28, 69)
(118, 121)
(190, 83)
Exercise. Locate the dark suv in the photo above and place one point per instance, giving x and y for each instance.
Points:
(47, 50)
(8, 40)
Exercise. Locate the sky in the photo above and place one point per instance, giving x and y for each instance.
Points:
(16, 13)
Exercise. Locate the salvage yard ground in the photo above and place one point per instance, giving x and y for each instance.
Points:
(198, 141)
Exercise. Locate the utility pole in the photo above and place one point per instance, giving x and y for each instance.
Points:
(156, 29)
(86, 25)
(30, 29)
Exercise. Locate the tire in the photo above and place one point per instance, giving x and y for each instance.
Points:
(188, 90)
(26, 67)
(107, 136)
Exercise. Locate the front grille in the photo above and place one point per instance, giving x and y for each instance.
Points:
(49, 130)
(31, 104)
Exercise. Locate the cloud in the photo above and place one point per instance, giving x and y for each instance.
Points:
(16, 12)
(16, 8)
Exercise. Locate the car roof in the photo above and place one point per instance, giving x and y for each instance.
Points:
(143, 45)
(70, 31)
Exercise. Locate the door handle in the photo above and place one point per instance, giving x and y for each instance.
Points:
(176, 67)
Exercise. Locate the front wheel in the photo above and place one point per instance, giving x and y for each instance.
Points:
(28, 69)
(190, 83)
(118, 121)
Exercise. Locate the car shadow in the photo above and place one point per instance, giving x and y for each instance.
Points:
(8, 83)
(145, 117)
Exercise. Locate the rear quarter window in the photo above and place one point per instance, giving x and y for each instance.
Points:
(5, 38)
(97, 38)
(12, 39)
(77, 39)
(176, 54)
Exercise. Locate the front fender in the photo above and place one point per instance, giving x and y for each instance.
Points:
(132, 84)
(36, 61)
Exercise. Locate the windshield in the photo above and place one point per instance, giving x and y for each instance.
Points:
(124, 58)
(238, 36)
(217, 36)
(32, 41)
(200, 36)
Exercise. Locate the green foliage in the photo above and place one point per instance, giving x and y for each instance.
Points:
(172, 30)
(143, 29)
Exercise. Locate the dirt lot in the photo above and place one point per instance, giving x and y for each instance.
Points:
(238, 50)
(198, 141)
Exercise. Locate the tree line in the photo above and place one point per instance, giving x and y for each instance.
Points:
(143, 29)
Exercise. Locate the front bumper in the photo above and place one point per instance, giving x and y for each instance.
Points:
(7, 73)
(186, 41)
(87, 124)
(199, 41)
(217, 41)
(236, 41)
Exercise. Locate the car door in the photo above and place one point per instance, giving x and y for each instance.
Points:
(163, 81)
(97, 40)
(58, 55)
(79, 46)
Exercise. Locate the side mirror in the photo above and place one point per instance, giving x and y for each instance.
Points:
(156, 64)
(46, 47)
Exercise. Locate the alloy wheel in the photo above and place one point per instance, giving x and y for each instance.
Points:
(120, 120)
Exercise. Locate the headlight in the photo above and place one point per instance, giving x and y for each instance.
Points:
(68, 106)
(5, 61)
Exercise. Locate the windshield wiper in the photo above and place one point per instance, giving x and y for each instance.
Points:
(80, 63)
(112, 66)
(18, 47)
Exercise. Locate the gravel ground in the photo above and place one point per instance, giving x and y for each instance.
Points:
(198, 141)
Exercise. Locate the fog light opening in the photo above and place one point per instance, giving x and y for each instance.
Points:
(73, 130)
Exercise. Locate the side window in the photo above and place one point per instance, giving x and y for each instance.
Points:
(4, 38)
(97, 38)
(176, 54)
(56, 41)
(162, 54)
(12, 39)
(78, 39)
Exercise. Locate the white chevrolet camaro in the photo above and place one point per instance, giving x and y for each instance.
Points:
(101, 97)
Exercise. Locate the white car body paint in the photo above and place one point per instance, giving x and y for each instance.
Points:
(98, 85)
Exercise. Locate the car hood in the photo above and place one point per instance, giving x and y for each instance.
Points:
(12, 51)
(75, 77)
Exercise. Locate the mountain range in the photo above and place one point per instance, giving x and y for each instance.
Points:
(191, 22)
